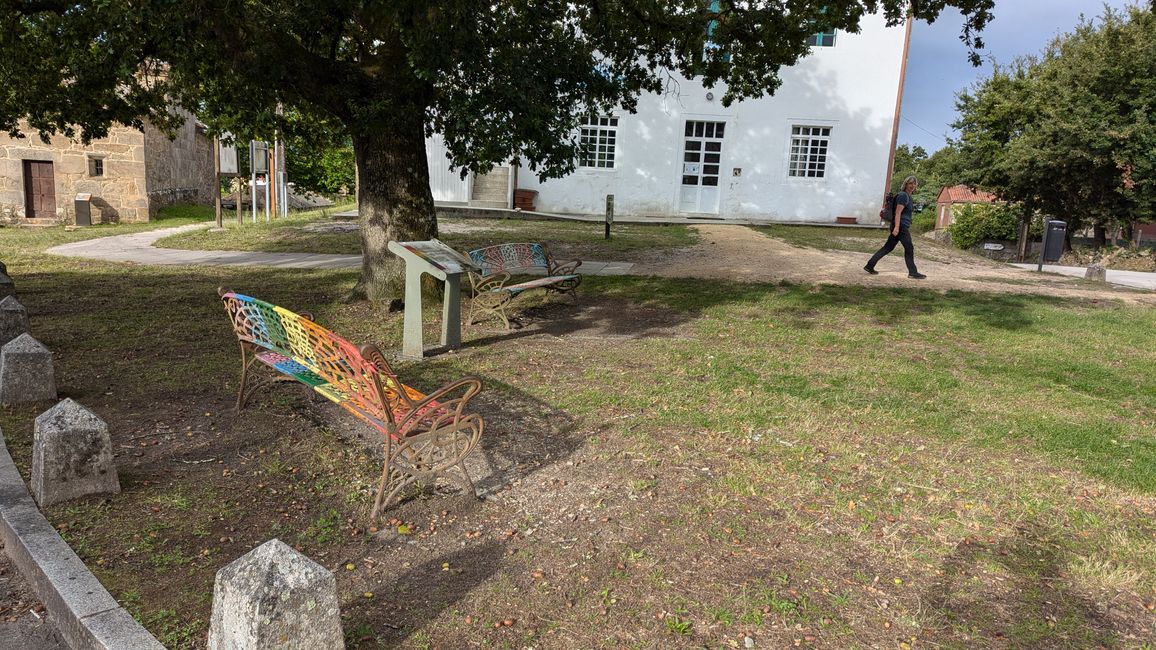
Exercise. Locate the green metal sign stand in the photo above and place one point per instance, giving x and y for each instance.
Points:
(444, 263)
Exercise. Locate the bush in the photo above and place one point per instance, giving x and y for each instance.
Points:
(975, 222)
(922, 222)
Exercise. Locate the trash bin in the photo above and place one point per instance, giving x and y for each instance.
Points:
(1054, 232)
(83, 205)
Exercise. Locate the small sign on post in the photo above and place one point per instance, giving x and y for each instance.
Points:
(258, 164)
(609, 213)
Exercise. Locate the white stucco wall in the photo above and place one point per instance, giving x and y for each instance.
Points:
(850, 87)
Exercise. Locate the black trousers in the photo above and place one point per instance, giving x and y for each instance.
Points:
(904, 237)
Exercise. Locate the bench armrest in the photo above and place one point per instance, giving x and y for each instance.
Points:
(490, 283)
(452, 407)
(564, 268)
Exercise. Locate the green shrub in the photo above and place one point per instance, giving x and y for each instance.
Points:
(975, 222)
(924, 221)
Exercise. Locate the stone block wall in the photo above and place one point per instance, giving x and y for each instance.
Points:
(118, 195)
(143, 172)
(178, 170)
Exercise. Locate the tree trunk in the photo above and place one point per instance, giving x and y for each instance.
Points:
(394, 202)
(1099, 236)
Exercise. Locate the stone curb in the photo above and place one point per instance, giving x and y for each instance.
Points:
(86, 614)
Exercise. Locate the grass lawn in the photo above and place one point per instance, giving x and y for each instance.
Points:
(669, 463)
(567, 239)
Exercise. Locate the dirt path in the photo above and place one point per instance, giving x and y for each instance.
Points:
(741, 253)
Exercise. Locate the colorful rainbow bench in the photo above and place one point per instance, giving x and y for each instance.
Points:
(424, 435)
(497, 263)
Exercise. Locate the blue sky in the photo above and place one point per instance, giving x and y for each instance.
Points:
(937, 66)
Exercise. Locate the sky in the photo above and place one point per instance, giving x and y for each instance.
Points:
(937, 65)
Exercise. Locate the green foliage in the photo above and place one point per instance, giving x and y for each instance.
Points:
(934, 171)
(922, 222)
(328, 170)
(975, 222)
(1070, 133)
(500, 81)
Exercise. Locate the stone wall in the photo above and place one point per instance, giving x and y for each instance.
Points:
(142, 173)
(118, 195)
(178, 170)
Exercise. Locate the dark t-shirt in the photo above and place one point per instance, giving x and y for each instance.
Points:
(904, 199)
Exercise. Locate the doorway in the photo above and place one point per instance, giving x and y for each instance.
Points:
(701, 161)
(39, 190)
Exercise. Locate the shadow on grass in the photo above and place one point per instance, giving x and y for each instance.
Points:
(420, 594)
(1030, 606)
(786, 300)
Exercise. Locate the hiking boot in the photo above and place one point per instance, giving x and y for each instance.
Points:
(916, 276)
(870, 270)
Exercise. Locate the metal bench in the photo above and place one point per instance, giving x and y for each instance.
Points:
(496, 264)
(424, 435)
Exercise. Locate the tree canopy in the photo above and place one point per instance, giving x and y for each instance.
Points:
(1070, 133)
(933, 171)
(500, 81)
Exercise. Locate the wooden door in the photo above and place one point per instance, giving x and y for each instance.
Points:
(39, 189)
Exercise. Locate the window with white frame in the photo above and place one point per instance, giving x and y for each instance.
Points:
(809, 151)
(597, 137)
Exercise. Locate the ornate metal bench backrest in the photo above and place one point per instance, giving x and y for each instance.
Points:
(506, 258)
(369, 385)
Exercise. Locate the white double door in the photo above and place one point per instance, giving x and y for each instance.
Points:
(702, 148)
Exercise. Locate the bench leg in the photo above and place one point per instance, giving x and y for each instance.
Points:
(244, 390)
(426, 455)
(491, 303)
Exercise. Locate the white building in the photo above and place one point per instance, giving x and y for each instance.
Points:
(815, 151)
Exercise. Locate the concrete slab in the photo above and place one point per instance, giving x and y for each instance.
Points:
(138, 248)
(1135, 279)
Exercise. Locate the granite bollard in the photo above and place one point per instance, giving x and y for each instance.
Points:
(275, 597)
(7, 286)
(13, 319)
(26, 373)
(1096, 272)
(71, 455)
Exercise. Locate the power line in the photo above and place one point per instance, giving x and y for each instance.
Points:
(941, 136)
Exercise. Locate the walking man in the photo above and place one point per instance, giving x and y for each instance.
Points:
(900, 232)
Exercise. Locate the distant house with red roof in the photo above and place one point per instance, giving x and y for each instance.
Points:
(957, 195)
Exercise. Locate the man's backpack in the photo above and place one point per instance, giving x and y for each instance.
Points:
(887, 212)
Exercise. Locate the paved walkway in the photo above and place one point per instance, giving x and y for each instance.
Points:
(139, 248)
(1137, 279)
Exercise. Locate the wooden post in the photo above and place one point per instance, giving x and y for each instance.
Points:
(217, 182)
(609, 213)
(270, 182)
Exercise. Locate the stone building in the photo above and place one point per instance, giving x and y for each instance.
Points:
(130, 175)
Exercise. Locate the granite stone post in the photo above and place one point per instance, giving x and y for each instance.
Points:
(13, 319)
(71, 455)
(26, 371)
(7, 286)
(1096, 272)
(275, 597)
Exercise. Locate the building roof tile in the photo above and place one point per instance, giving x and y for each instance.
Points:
(964, 194)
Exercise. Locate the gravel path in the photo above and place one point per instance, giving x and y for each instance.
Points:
(737, 253)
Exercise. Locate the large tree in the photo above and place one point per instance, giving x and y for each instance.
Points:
(1071, 133)
(499, 79)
